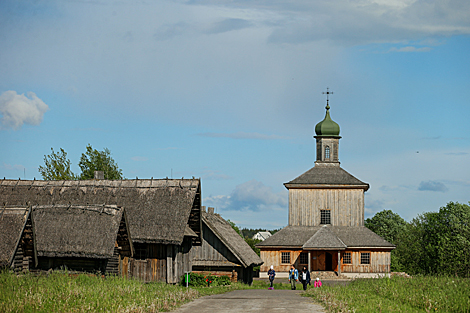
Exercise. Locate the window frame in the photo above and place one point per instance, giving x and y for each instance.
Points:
(285, 253)
(349, 254)
(368, 258)
(322, 217)
(327, 152)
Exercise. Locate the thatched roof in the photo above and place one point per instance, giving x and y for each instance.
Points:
(158, 210)
(12, 222)
(231, 239)
(325, 237)
(76, 231)
(322, 176)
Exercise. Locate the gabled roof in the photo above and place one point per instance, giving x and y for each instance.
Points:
(262, 235)
(158, 209)
(12, 223)
(76, 231)
(351, 237)
(324, 239)
(231, 239)
(323, 175)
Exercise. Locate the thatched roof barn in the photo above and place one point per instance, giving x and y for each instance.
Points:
(79, 231)
(163, 216)
(12, 223)
(158, 210)
(223, 250)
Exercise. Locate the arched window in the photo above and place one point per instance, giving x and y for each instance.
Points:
(327, 152)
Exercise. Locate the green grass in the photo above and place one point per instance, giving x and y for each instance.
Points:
(397, 294)
(61, 292)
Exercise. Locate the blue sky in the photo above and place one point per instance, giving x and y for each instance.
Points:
(230, 91)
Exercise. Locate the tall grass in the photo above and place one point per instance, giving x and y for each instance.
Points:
(397, 294)
(61, 292)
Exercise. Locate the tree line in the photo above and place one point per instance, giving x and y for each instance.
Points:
(57, 165)
(433, 243)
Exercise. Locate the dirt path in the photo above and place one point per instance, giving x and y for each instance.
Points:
(253, 300)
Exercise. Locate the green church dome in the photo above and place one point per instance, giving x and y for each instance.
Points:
(327, 127)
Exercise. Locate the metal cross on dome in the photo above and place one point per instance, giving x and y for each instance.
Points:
(327, 93)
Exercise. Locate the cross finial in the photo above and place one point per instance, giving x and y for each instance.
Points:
(327, 93)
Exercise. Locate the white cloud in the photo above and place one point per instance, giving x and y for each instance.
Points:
(15, 167)
(432, 186)
(252, 196)
(410, 49)
(20, 109)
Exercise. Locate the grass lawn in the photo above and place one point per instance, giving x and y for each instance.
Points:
(397, 294)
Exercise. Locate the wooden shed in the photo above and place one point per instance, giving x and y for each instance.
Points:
(163, 216)
(223, 251)
(78, 238)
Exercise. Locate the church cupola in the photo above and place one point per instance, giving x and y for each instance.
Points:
(327, 137)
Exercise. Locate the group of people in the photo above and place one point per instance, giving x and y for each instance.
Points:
(294, 276)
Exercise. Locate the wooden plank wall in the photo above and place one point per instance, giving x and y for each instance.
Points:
(212, 249)
(379, 262)
(346, 205)
(164, 263)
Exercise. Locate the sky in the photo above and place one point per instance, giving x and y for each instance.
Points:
(230, 92)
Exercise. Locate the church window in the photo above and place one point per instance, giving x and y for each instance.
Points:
(325, 217)
(365, 257)
(303, 259)
(285, 257)
(347, 258)
(327, 152)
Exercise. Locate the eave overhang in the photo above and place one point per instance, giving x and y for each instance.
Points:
(325, 186)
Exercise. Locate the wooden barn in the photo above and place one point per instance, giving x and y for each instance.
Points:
(326, 219)
(79, 238)
(12, 223)
(223, 251)
(163, 216)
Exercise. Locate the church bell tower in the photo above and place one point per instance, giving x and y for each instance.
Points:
(327, 137)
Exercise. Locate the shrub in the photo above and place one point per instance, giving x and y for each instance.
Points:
(205, 280)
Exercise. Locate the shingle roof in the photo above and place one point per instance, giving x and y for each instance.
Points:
(232, 240)
(158, 209)
(76, 231)
(351, 237)
(324, 239)
(326, 175)
(12, 222)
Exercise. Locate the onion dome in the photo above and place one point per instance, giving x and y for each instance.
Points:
(327, 127)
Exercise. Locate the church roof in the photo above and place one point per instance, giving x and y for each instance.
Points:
(326, 175)
(323, 237)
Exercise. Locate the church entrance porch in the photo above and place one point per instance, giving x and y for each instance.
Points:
(324, 261)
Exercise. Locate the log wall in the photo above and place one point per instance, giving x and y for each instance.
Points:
(346, 205)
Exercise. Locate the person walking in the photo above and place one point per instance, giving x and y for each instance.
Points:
(305, 277)
(271, 275)
(293, 276)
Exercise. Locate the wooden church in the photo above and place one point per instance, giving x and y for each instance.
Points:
(326, 229)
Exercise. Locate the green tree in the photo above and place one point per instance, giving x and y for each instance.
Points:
(93, 160)
(56, 166)
(235, 227)
(390, 226)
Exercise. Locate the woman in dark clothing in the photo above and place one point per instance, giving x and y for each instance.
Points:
(271, 274)
(305, 277)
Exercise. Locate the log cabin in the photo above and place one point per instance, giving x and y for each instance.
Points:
(223, 250)
(163, 216)
(78, 238)
(325, 229)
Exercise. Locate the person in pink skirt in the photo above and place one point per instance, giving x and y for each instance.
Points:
(317, 283)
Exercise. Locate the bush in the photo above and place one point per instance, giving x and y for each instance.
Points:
(205, 280)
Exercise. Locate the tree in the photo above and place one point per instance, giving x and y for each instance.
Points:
(390, 226)
(93, 160)
(56, 166)
(235, 227)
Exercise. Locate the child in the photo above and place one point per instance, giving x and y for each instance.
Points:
(317, 283)
(271, 274)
